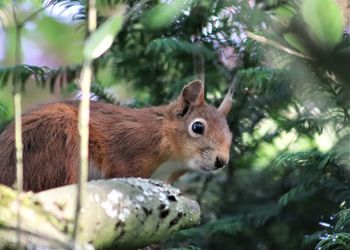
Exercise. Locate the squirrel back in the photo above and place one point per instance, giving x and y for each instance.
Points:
(123, 142)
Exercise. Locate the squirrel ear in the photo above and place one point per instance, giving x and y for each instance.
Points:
(192, 94)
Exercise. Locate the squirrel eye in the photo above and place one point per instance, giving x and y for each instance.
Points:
(198, 128)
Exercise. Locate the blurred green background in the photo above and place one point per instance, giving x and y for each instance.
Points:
(288, 182)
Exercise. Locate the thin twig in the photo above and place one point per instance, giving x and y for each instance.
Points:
(199, 66)
(20, 23)
(272, 43)
(18, 123)
(84, 114)
(198, 61)
(33, 15)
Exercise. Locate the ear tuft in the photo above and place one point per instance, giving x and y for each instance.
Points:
(192, 95)
(226, 104)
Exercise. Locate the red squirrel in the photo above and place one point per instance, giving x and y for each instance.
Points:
(123, 142)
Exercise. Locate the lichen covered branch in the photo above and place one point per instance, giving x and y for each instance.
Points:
(118, 213)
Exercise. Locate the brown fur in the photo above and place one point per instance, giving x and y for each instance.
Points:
(123, 142)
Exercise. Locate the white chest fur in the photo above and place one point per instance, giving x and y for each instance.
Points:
(165, 170)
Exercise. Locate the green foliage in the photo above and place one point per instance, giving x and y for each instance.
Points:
(289, 169)
(163, 14)
(67, 4)
(101, 40)
(255, 218)
(101, 94)
(43, 76)
(324, 20)
(173, 45)
(335, 241)
(3, 115)
(339, 237)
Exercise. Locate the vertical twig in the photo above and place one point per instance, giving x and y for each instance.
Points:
(19, 159)
(17, 103)
(84, 114)
(199, 65)
(198, 60)
(18, 122)
(18, 112)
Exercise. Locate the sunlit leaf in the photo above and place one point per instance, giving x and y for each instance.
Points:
(102, 39)
(285, 13)
(294, 41)
(164, 14)
(325, 21)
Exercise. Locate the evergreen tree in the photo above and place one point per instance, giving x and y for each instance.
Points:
(288, 182)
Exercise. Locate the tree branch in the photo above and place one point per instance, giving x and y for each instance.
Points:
(126, 213)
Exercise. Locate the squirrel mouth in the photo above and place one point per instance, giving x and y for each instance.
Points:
(209, 170)
(206, 169)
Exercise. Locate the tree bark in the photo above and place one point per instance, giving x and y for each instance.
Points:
(126, 213)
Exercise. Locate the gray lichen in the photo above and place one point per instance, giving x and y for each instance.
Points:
(121, 213)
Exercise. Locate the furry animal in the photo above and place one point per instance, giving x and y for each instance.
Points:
(123, 142)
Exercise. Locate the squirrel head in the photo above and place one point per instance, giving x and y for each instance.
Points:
(198, 131)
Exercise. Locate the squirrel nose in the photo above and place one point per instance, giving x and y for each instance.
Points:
(219, 162)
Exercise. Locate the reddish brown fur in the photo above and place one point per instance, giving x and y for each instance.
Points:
(123, 142)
